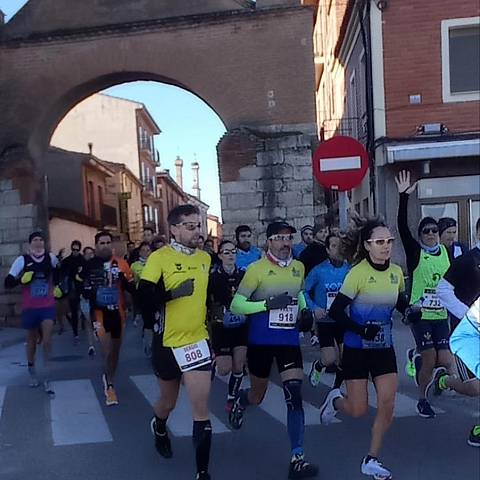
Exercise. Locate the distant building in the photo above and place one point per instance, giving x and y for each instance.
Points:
(214, 229)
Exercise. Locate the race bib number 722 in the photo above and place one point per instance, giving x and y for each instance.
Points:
(192, 356)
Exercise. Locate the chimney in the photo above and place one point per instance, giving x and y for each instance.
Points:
(90, 148)
(196, 180)
(179, 171)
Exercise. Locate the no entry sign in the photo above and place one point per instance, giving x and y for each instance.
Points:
(340, 163)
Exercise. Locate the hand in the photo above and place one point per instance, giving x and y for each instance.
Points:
(370, 331)
(278, 301)
(216, 312)
(403, 182)
(413, 314)
(57, 292)
(305, 320)
(320, 313)
(26, 278)
(185, 289)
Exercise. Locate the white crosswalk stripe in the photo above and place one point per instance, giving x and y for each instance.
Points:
(3, 390)
(76, 414)
(274, 404)
(180, 420)
(405, 406)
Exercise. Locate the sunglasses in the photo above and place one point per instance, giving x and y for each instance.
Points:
(75, 249)
(190, 225)
(427, 230)
(283, 238)
(228, 252)
(381, 241)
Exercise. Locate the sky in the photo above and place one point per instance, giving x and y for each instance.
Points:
(190, 128)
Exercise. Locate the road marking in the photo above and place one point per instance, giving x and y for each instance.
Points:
(274, 404)
(180, 420)
(76, 415)
(3, 390)
(405, 406)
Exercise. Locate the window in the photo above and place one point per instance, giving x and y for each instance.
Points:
(90, 199)
(100, 201)
(461, 59)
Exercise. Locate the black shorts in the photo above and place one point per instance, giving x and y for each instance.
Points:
(260, 358)
(329, 334)
(164, 364)
(360, 364)
(109, 321)
(224, 340)
(431, 334)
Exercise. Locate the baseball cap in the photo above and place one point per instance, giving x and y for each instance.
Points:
(277, 227)
(36, 234)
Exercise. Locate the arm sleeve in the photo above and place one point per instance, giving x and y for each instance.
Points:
(402, 299)
(410, 245)
(302, 303)
(446, 294)
(337, 312)
(310, 283)
(17, 267)
(242, 306)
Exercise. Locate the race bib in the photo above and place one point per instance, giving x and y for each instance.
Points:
(383, 339)
(192, 356)
(107, 297)
(39, 288)
(431, 301)
(330, 298)
(284, 319)
(231, 321)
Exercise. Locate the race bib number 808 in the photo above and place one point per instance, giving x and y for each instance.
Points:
(192, 356)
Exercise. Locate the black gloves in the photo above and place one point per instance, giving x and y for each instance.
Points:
(413, 314)
(278, 301)
(185, 289)
(305, 320)
(370, 331)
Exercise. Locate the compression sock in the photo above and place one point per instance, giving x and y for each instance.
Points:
(202, 439)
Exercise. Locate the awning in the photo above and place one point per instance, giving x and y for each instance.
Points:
(432, 150)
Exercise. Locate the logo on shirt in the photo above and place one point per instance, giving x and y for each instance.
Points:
(295, 272)
(393, 279)
(372, 280)
(178, 266)
(271, 273)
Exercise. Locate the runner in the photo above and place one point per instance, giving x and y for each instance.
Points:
(427, 262)
(315, 253)
(137, 268)
(447, 229)
(174, 283)
(458, 291)
(85, 308)
(228, 331)
(271, 294)
(37, 273)
(372, 289)
(69, 268)
(104, 280)
(306, 233)
(246, 252)
(321, 287)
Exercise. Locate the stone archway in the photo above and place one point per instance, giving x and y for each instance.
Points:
(251, 62)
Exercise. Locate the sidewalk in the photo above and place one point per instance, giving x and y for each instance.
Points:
(10, 336)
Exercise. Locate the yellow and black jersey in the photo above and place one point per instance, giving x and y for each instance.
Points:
(183, 318)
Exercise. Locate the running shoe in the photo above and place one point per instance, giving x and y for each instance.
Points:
(111, 396)
(314, 340)
(424, 409)
(474, 438)
(315, 374)
(91, 351)
(203, 476)
(328, 410)
(374, 468)
(433, 386)
(409, 365)
(235, 417)
(76, 340)
(34, 382)
(417, 363)
(299, 468)
(48, 389)
(331, 369)
(162, 441)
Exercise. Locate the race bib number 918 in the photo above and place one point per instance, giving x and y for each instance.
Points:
(192, 356)
(284, 318)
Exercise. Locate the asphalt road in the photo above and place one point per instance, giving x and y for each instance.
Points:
(75, 436)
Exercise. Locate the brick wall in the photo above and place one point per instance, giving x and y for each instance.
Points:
(412, 65)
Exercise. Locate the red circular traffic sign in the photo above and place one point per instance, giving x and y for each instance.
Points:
(340, 163)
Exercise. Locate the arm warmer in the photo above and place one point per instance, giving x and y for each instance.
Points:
(337, 312)
(410, 245)
(446, 294)
(242, 306)
(11, 282)
(402, 302)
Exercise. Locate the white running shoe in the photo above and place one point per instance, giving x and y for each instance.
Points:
(375, 469)
(328, 411)
(48, 389)
(34, 382)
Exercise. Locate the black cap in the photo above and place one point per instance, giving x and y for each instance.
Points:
(426, 221)
(36, 234)
(446, 222)
(277, 227)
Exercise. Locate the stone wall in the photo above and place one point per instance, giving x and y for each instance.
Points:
(265, 176)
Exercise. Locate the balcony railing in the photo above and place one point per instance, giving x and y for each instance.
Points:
(355, 127)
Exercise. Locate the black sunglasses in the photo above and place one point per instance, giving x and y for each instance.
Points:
(427, 230)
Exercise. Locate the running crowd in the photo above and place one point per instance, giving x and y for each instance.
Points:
(237, 310)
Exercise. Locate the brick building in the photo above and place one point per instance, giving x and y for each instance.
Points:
(403, 78)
